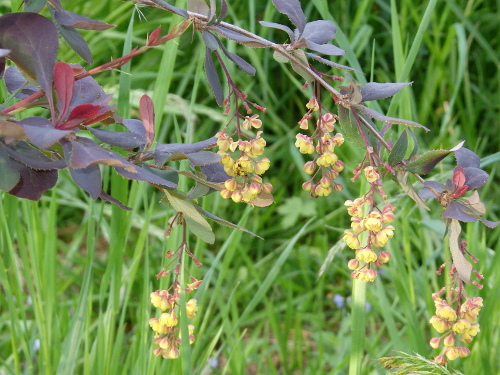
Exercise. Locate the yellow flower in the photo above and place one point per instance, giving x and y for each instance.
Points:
(447, 313)
(366, 255)
(251, 121)
(262, 166)
(351, 240)
(452, 353)
(440, 324)
(371, 174)
(435, 342)
(463, 325)
(373, 224)
(191, 308)
(168, 319)
(312, 104)
(327, 159)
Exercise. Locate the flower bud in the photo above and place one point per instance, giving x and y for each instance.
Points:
(435, 342)
(353, 264)
(440, 360)
(309, 167)
(266, 188)
(449, 341)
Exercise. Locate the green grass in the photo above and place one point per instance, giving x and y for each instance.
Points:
(76, 275)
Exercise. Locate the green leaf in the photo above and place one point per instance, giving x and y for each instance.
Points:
(426, 162)
(349, 127)
(195, 222)
(399, 150)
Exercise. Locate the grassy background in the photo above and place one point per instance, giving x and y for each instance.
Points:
(75, 275)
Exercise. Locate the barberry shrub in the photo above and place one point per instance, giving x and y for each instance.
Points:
(58, 117)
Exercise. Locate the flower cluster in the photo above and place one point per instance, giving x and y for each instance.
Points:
(326, 166)
(456, 324)
(168, 335)
(370, 231)
(246, 170)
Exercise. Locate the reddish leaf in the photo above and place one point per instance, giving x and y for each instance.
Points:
(79, 114)
(33, 41)
(148, 117)
(458, 178)
(63, 83)
(75, 20)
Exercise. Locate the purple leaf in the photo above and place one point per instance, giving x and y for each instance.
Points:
(89, 179)
(215, 173)
(164, 151)
(108, 198)
(328, 62)
(33, 41)
(15, 81)
(135, 126)
(76, 42)
(279, 26)
(489, 223)
(213, 78)
(467, 158)
(33, 183)
(319, 32)
(246, 67)
(327, 49)
(239, 37)
(458, 212)
(84, 152)
(119, 139)
(375, 90)
(70, 19)
(10, 174)
(210, 40)
(392, 120)
(203, 158)
(475, 177)
(88, 91)
(293, 10)
(33, 158)
(428, 193)
(41, 132)
(142, 174)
